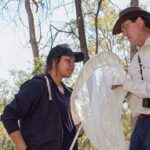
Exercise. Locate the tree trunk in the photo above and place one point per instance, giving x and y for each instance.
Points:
(81, 29)
(33, 41)
(96, 24)
(133, 49)
(134, 3)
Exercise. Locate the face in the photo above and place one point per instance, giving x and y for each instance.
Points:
(66, 65)
(131, 30)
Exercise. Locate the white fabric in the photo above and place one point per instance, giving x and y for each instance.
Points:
(139, 88)
(96, 105)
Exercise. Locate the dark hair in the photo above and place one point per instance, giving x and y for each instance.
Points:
(146, 21)
(49, 65)
(133, 19)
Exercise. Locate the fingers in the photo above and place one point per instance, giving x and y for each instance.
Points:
(115, 86)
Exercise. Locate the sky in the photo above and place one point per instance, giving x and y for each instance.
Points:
(13, 55)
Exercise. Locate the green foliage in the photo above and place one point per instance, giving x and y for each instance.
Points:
(126, 121)
(5, 141)
(84, 143)
(18, 78)
(7, 91)
(39, 64)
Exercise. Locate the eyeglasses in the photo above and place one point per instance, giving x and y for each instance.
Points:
(124, 27)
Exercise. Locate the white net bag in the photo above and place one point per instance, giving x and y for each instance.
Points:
(96, 106)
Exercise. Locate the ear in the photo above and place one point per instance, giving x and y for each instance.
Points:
(140, 21)
(54, 60)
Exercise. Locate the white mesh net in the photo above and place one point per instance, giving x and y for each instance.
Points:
(96, 106)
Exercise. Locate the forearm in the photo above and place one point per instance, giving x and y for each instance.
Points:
(140, 88)
(18, 140)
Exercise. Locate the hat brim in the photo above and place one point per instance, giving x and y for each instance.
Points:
(117, 26)
(79, 56)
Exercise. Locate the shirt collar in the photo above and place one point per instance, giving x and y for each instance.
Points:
(147, 42)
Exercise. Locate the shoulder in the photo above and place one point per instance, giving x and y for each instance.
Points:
(135, 57)
(134, 62)
(36, 83)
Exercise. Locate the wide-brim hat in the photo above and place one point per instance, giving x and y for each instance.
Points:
(64, 50)
(129, 13)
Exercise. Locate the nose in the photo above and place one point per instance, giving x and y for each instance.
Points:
(72, 63)
(125, 33)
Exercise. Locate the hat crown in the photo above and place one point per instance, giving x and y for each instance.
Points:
(64, 46)
(64, 50)
(130, 10)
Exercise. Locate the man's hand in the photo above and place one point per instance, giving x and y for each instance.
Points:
(81, 131)
(114, 86)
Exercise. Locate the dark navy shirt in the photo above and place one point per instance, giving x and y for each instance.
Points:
(45, 124)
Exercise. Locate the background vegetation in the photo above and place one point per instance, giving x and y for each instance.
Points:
(86, 26)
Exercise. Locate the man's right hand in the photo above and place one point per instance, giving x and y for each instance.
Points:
(114, 86)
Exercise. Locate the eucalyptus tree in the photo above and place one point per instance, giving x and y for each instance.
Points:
(36, 20)
(42, 28)
(45, 23)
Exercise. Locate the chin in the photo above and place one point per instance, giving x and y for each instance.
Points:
(67, 75)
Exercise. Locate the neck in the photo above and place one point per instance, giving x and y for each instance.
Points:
(56, 78)
(144, 36)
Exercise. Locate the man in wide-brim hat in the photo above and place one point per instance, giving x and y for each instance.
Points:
(134, 23)
(130, 13)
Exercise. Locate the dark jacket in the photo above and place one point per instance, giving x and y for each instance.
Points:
(45, 124)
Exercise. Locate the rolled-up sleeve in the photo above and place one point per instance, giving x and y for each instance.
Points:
(140, 88)
(21, 105)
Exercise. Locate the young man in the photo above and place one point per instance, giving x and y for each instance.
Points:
(42, 106)
(134, 23)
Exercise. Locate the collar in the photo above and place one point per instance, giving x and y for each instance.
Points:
(147, 42)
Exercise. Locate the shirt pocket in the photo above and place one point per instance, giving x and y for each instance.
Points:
(146, 71)
(134, 71)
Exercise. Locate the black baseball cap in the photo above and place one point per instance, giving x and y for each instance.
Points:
(64, 50)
